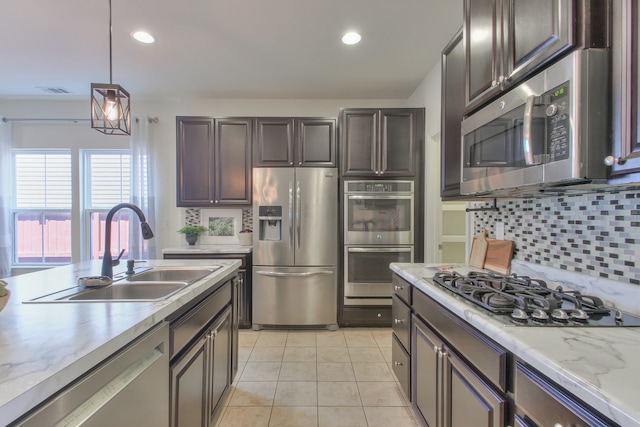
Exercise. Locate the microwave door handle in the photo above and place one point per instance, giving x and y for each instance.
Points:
(526, 130)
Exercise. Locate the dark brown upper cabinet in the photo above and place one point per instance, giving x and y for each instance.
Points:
(213, 161)
(507, 40)
(380, 143)
(452, 110)
(625, 153)
(301, 142)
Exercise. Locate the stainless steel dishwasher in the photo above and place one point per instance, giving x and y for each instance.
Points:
(131, 388)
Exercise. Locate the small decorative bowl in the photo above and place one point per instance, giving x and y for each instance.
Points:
(4, 300)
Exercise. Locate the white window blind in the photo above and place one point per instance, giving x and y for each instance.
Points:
(43, 180)
(109, 180)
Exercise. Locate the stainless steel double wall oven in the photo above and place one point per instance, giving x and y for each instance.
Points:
(378, 230)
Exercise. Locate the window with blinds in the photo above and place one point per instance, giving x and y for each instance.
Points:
(42, 207)
(43, 202)
(107, 183)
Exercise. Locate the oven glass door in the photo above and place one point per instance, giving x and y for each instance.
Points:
(378, 219)
(367, 273)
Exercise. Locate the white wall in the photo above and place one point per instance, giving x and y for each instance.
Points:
(169, 218)
(428, 95)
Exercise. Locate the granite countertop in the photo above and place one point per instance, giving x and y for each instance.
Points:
(44, 347)
(209, 249)
(597, 365)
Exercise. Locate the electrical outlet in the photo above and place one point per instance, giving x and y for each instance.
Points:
(500, 230)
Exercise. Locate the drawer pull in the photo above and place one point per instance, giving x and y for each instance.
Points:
(398, 321)
(398, 288)
(397, 363)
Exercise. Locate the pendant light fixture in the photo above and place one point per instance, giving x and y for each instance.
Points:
(110, 104)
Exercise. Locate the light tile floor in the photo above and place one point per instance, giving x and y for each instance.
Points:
(316, 379)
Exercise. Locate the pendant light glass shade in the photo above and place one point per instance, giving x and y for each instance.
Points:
(110, 104)
(110, 109)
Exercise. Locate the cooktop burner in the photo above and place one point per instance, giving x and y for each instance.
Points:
(521, 300)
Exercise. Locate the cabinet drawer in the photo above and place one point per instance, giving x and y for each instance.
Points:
(402, 289)
(401, 366)
(367, 316)
(241, 257)
(544, 404)
(401, 322)
(186, 328)
(487, 356)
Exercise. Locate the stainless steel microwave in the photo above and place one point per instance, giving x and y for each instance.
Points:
(550, 131)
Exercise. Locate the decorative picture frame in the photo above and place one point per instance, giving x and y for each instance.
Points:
(223, 226)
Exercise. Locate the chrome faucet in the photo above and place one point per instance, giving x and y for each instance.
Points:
(107, 261)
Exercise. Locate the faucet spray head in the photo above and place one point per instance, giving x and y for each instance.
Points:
(147, 233)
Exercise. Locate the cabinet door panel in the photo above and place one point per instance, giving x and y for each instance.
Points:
(425, 367)
(233, 161)
(452, 111)
(316, 142)
(536, 31)
(472, 401)
(221, 362)
(481, 36)
(274, 142)
(359, 139)
(397, 143)
(188, 387)
(194, 161)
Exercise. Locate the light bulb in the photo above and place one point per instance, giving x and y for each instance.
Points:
(111, 110)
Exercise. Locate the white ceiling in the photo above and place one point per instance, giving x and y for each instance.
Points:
(281, 49)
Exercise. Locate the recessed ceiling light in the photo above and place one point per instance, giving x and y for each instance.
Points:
(351, 38)
(143, 37)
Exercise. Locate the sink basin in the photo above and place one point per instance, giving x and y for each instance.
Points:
(172, 274)
(130, 291)
(152, 284)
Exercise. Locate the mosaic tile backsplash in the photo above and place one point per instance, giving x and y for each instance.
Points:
(192, 217)
(596, 234)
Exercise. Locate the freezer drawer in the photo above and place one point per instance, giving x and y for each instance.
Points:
(295, 296)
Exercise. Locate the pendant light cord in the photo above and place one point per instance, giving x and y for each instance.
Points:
(110, 49)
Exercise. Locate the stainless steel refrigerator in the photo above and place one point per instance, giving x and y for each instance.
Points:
(295, 247)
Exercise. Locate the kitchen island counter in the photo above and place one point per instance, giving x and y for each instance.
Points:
(596, 364)
(44, 347)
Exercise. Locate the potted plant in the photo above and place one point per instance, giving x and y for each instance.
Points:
(191, 233)
(246, 237)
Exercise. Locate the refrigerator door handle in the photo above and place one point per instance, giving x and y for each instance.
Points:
(383, 249)
(281, 274)
(290, 215)
(298, 205)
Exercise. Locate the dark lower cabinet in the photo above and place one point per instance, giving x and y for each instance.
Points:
(447, 391)
(539, 402)
(365, 316)
(243, 302)
(201, 376)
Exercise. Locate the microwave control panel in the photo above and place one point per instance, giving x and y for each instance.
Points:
(558, 123)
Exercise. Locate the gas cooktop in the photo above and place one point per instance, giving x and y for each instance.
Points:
(523, 301)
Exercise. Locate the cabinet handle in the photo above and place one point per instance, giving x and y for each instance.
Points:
(216, 201)
(397, 363)
(398, 321)
(398, 288)
(379, 315)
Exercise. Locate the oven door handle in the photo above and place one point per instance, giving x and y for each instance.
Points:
(305, 274)
(379, 249)
(526, 130)
(380, 196)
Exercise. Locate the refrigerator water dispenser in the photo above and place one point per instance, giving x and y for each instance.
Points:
(270, 227)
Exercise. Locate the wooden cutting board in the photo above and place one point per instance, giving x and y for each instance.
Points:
(479, 250)
(499, 254)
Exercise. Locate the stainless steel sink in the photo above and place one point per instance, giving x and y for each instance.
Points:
(148, 291)
(153, 284)
(172, 274)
